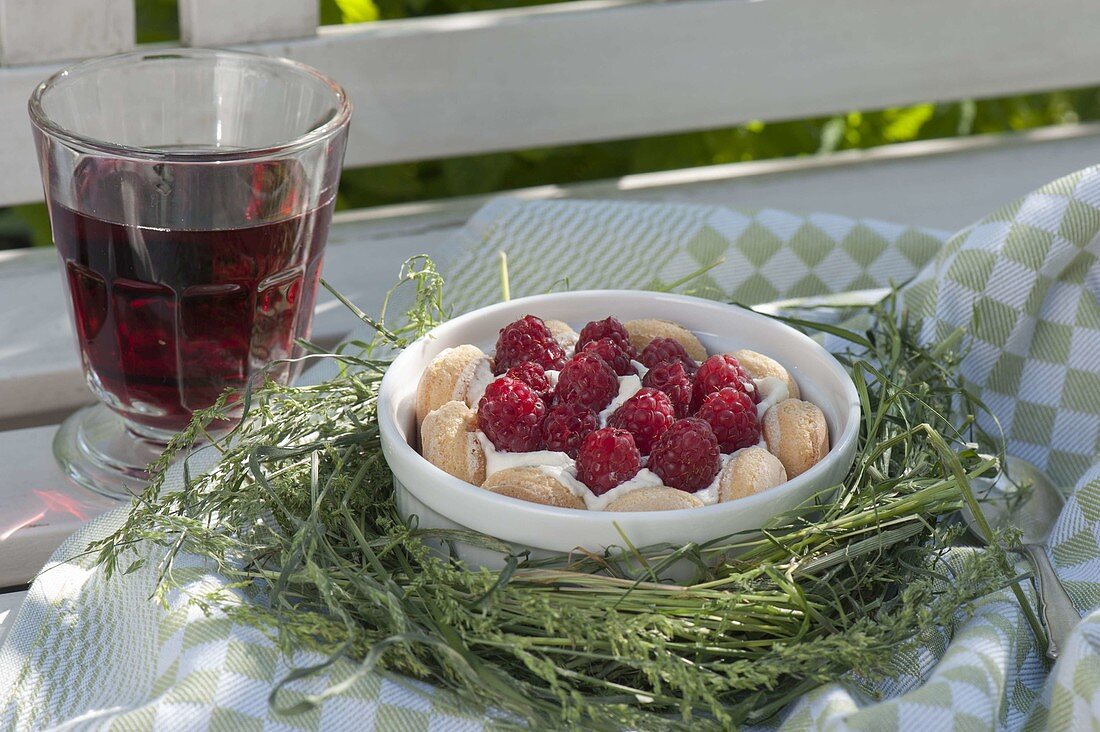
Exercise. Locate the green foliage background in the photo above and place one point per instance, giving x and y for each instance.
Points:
(479, 174)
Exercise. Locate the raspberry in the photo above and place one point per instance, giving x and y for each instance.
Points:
(686, 455)
(587, 380)
(527, 339)
(732, 415)
(566, 426)
(612, 352)
(611, 328)
(667, 350)
(717, 372)
(534, 376)
(646, 415)
(673, 379)
(607, 458)
(510, 414)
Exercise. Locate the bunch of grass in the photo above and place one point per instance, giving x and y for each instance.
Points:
(299, 515)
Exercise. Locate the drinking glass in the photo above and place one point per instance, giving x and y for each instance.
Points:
(190, 193)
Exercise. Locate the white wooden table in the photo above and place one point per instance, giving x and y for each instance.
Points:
(589, 70)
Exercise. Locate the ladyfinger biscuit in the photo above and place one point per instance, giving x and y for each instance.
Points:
(531, 484)
(446, 378)
(760, 366)
(796, 433)
(448, 440)
(749, 471)
(654, 498)
(642, 332)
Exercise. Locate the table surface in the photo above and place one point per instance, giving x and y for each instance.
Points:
(940, 184)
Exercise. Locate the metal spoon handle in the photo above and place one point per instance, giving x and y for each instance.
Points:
(1058, 613)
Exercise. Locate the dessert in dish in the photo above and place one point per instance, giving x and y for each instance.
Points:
(633, 416)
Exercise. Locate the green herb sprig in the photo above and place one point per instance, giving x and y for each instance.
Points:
(298, 514)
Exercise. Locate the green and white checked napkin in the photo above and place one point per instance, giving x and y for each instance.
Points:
(85, 654)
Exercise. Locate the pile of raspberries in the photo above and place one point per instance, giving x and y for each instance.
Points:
(677, 424)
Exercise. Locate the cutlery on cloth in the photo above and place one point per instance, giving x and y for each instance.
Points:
(1024, 497)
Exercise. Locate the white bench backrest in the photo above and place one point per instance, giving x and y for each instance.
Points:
(586, 71)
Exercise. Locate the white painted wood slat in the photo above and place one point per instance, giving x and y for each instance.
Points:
(35, 31)
(603, 69)
(226, 22)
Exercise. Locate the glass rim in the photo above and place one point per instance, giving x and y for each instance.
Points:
(48, 126)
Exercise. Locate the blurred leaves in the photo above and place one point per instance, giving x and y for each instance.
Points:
(357, 11)
(37, 222)
(905, 124)
(390, 9)
(25, 226)
(157, 20)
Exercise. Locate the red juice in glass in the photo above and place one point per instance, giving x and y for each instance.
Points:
(190, 193)
(167, 320)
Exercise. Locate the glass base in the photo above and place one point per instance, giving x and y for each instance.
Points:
(99, 451)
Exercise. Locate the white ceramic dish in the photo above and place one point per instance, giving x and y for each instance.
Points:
(442, 501)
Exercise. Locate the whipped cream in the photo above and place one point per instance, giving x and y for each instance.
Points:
(644, 478)
(772, 391)
(479, 381)
(628, 387)
(709, 494)
(497, 460)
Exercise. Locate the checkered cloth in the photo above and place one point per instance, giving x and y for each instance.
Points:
(85, 654)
